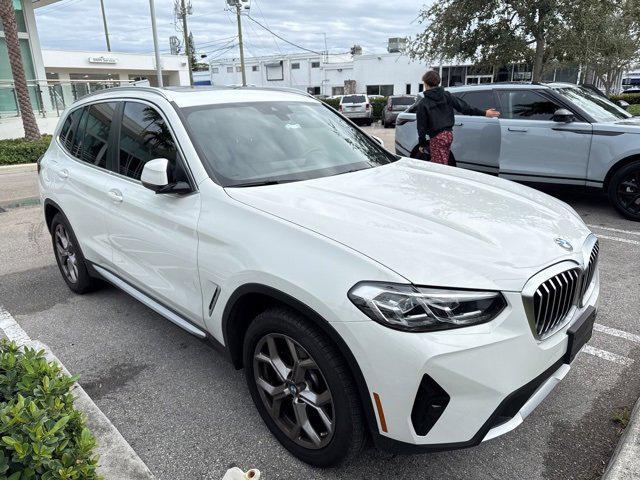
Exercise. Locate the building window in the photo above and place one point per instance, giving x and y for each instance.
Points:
(295, 66)
(315, 64)
(229, 69)
(384, 90)
(407, 89)
(255, 68)
(314, 90)
(337, 90)
(420, 87)
(215, 70)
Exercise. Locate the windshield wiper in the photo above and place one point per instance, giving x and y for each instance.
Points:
(259, 183)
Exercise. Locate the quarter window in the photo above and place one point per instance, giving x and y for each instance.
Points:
(526, 105)
(69, 136)
(95, 145)
(144, 136)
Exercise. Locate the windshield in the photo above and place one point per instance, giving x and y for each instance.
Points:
(248, 144)
(598, 107)
(353, 99)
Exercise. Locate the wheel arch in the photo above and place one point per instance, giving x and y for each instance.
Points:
(617, 166)
(51, 208)
(250, 299)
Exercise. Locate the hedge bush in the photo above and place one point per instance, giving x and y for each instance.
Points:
(20, 150)
(630, 98)
(634, 109)
(332, 102)
(42, 436)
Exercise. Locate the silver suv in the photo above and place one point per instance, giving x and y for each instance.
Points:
(547, 133)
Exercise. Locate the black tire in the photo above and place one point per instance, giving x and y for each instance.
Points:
(77, 278)
(347, 436)
(624, 190)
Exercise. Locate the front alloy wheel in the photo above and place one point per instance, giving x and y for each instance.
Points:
(294, 390)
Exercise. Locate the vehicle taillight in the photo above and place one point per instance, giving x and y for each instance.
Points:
(390, 107)
(367, 106)
(340, 109)
(402, 121)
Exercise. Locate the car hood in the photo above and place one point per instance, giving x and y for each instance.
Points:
(434, 225)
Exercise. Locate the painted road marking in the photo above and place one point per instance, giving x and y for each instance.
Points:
(630, 232)
(618, 239)
(617, 333)
(612, 357)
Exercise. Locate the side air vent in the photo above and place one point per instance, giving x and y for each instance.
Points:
(214, 298)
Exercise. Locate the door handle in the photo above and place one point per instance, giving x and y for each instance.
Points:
(115, 195)
(63, 174)
(514, 129)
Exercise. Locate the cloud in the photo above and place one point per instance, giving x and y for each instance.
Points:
(77, 25)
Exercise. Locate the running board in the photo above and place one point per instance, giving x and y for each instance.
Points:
(149, 302)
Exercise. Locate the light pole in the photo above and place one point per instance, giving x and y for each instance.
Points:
(156, 47)
(104, 21)
(238, 6)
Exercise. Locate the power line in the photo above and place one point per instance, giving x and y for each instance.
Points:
(282, 38)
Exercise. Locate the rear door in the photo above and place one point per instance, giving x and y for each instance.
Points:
(81, 173)
(535, 148)
(476, 140)
(153, 236)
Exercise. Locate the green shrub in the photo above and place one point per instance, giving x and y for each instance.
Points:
(20, 150)
(378, 105)
(631, 98)
(634, 109)
(41, 435)
(332, 102)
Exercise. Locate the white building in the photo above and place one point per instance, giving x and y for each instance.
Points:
(56, 78)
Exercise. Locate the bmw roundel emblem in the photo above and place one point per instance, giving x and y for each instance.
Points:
(564, 244)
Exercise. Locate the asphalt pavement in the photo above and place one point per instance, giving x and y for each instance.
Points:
(188, 414)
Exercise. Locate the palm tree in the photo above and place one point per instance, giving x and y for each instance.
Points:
(8, 16)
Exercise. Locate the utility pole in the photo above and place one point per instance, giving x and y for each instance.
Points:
(244, 75)
(156, 47)
(187, 44)
(106, 30)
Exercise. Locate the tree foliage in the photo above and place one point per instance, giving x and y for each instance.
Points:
(537, 32)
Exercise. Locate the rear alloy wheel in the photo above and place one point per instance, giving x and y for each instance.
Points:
(302, 388)
(69, 257)
(624, 190)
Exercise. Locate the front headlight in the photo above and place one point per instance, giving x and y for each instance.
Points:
(417, 309)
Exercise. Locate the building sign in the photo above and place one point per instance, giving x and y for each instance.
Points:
(103, 59)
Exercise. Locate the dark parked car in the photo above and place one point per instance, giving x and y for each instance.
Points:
(395, 105)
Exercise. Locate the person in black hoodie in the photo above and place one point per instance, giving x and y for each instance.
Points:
(435, 116)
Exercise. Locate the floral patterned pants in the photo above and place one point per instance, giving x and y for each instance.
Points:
(439, 147)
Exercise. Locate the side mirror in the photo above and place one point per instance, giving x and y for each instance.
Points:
(623, 104)
(563, 115)
(378, 139)
(155, 176)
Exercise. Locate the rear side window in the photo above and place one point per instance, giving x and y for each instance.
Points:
(144, 136)
(526, 105)
(353, 99)
(69, 137)
(482, 99)
(97, 127)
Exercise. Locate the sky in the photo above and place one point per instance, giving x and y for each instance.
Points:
(77, 25)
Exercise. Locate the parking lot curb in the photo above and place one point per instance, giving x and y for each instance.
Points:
(21, 167)
(118, 460)
(625, 463)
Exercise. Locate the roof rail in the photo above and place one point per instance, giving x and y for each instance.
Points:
(238, 87)
(144, 88)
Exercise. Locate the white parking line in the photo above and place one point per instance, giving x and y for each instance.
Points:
(618, 239)
(612, 357)
(617, 333)
(630, 232)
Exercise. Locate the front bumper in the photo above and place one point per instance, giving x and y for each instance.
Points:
(481, 368)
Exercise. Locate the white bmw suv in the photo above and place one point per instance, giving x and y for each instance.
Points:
(365, 294)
